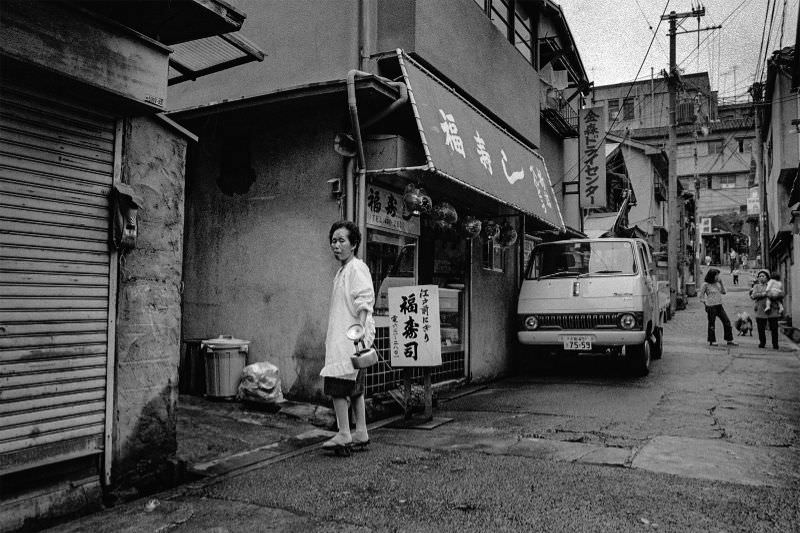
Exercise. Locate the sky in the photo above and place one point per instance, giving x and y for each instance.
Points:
(613, 36)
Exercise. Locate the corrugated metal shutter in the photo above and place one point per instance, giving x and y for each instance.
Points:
(56, 171)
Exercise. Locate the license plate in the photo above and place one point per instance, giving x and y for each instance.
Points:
(577, 342)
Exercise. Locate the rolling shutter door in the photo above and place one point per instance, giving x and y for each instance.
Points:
(56, 171)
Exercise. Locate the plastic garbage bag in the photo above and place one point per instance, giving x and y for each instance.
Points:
(261, 384)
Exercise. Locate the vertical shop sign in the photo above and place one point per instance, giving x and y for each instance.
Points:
(414, 334)
(593, 157)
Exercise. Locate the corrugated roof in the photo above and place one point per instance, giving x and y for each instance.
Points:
(193, 59)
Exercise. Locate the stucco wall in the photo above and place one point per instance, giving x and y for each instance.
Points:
(493, 314)
(552, 150)
(257, 264)
(458, 40)
(148, 306)
(305, 42)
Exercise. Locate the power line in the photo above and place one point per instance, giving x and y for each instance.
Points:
(731, 14)
(630, 88)
(763, 33)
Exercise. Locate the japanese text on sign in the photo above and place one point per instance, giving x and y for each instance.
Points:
(513, 171)
(593, 157)
(385, 210)
(414, 334)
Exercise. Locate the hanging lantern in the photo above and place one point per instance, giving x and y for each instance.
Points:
(442, 225)
(416, 201)
(508, 235)
(491, 230)
(470, 227)
(445, 211)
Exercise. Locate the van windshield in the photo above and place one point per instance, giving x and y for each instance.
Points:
(581, 258)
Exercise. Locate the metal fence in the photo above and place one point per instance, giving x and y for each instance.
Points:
(383, 378)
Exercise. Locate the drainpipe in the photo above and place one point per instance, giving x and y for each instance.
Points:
(349, 177)
(359, 206)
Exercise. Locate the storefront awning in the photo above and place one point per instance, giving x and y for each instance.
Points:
(464, 145)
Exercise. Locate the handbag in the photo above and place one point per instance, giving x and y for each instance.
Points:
(365, 357)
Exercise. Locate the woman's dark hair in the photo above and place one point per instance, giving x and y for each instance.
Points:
(354, 235)
(775, 275)
(710, 275)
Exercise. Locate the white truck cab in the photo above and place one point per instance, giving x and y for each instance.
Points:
(592, 295)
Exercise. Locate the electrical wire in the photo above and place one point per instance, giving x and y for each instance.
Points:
(731, 14)
(630, 88)
(761, 45)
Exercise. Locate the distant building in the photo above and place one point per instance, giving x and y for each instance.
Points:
(781, 157)
(721, 138)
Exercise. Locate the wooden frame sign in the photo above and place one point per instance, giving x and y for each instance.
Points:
(414, 334)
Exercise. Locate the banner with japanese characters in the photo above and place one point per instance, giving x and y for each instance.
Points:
(414, 334)
(385, 210)
(592, 132)
(467, 146)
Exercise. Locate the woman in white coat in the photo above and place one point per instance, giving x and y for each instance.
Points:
(352, 301)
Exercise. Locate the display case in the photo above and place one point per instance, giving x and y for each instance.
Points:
(451, 305)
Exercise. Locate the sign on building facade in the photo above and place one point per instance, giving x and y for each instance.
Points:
(753, 203)
(592, 130)
(414, 334)
(385, 210)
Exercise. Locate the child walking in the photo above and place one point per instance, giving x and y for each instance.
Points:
(711, 295)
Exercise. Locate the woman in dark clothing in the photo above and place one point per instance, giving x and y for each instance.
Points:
(711, 295)
(763, 317)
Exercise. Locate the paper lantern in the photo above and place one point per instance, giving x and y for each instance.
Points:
(445, 211)
(416, 201)
(471, 227)
(491, 230)
(508, 235)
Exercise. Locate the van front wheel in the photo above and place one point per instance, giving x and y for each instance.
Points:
(640, 358)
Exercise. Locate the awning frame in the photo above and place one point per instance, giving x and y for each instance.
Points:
(431, 167)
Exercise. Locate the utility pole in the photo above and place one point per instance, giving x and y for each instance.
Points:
(672, 150)
(763, 220)
(698, 237)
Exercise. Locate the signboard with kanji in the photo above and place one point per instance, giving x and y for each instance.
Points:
(466, 146)
(385, 210)
(753, 202)
(414, 335)
(592, 132)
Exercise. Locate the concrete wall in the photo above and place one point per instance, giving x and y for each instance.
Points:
(305, 42)
(457, 39)
(258, 264)
(148, 307)
(493, 314)
(552, 149)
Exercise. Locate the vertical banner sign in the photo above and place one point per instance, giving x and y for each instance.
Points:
(414, 334)
(592, 131)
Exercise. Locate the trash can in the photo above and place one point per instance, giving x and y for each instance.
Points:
(225, 358)
(691, 290)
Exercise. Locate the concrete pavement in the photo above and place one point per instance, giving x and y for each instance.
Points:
(735, 448)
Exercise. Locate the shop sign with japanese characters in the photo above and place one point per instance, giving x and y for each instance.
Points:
(592, 132)
(468, 147)
(414, 335)
(385, 210)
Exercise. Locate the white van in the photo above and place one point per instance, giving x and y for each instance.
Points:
(592, 295)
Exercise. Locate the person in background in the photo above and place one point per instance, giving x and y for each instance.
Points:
(735, 275)
(763, 317)
(733, 257)
(352, 301)
(711, 295)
